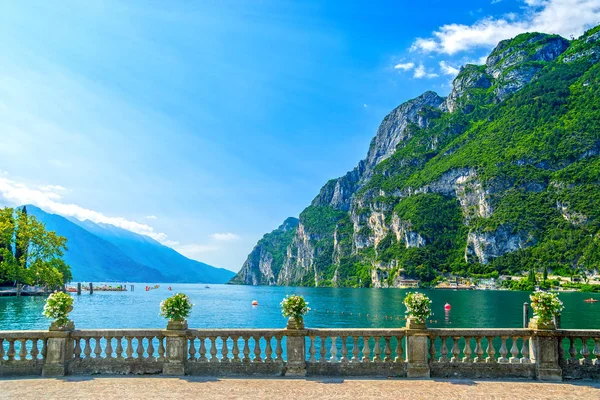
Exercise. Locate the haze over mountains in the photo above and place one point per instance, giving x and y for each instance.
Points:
(103, 252)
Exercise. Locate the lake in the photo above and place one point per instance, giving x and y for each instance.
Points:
(227, 306)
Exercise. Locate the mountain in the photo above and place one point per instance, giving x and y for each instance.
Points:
(102, 252)
(145, 250)
(500, 176)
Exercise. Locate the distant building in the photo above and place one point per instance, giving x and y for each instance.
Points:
(408, 283)
(487, 284)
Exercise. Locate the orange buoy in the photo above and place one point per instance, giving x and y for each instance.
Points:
(447, 306)
(254, 302)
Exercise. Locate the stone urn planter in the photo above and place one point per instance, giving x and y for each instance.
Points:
(295, 323)
(413, 323)
(69, 326)
(177, 325)
(534, 323)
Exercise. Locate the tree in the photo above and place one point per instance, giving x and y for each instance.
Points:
(545, 273)
(532, 278)
(29, 253)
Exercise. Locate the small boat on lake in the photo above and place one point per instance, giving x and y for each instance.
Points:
(590, 300)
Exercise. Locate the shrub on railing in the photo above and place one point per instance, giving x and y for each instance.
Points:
(294, 307)
(58, 306)
(545, 306)
(418, 307)
(176, 307)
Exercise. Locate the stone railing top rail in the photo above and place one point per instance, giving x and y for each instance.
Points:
(474, 332)
(237, 332)
(355, 332)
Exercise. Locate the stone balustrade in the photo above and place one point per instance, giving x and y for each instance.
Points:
(470, 353)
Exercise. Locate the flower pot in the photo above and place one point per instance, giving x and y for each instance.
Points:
(69, 326)
(534, 323)
(413, 323)
(177, 325)
(295, 323)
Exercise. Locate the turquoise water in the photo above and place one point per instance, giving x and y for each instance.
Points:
(225, 306)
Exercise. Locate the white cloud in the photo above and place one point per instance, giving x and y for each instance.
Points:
(420, 72)
(495, 1)
(195, 250)
(47, 198)
(563, 17)
(224, 236)
(365, 106)
(405, 66)
(448, 69)
(150, 217)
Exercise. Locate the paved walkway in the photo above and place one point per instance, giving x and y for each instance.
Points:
(108, 388)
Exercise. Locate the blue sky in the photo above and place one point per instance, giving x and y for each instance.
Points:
(205, 124)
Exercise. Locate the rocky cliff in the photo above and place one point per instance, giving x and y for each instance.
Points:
(500, 175)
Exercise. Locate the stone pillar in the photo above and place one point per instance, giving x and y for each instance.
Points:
(79, 288)
(417, 353)
(59, 352)
(176, 352)
(544, 351)
(295, 349)
(91, 288)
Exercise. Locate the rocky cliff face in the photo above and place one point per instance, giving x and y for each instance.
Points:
(458, 184)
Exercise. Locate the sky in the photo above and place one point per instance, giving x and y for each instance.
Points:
(204, 124)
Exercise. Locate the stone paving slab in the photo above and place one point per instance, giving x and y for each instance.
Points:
(148, 387)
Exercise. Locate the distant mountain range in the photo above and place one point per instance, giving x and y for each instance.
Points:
(104, 252)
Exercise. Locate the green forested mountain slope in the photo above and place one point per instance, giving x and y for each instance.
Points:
(500, 176)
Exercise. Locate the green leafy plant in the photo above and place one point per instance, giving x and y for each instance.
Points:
(545, 306)
(176, 307)
(295, 307)
(58, 306)
(418, 306)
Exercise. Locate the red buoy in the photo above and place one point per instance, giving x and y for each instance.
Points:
(254, 302)
(447, 306)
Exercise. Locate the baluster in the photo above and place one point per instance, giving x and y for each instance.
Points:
(491, 351)
(444, 350)
(1, 349)
(572, 352)
(344, 357)
(129, 349)
(387, 350)
(257, 357)
(279, 349)
(213, 349)
(399, 349)
(235, 351)
(108, 350)
(23, 349)
(377, 349)
(225, 350)
(150, 349)
(202, 350)
(596, 351)
(34, 349)
(268, 349)
(97, 348)
(119, 349)
(323, 349)
(246, 350)
(455, 350)
(11, 350)
(355, 349)
(87, 350)
(514, 351)
(333, 350)
(192, 349)
(525, 350)
(366, 350)
(585, 352)
(161, 348)
(503, 351)
(467, 351)
(77, 349)
(140, 348)
(312, 350)
(432, 350)
(479, 350)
